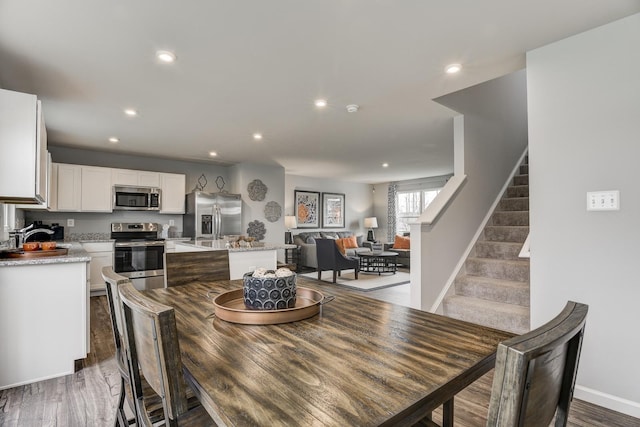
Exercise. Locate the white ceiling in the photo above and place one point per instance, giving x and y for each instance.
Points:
(248, 66)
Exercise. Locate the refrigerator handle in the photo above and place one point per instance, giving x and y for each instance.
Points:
(218, 223)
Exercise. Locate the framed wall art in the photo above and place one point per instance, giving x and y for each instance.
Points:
(332, 210)
(307, 208)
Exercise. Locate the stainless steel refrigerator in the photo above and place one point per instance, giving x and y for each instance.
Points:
(212, 216)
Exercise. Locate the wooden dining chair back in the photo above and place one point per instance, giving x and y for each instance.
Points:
(112, 281)
(152, 340)
(535, 373)
(181, 268)
(329, 257)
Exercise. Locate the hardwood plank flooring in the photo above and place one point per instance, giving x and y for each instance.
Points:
(89, 397)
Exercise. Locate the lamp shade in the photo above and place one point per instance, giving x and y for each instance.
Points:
(290, 222)
(371, 222)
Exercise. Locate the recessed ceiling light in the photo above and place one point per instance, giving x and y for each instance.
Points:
(114, 140)
(321, 103)
(453, 68)
(131, 112)
(257, 136)
(213, 153)
(385, 165)
(166, 56)
(352, 108)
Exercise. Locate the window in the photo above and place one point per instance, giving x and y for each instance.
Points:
(410, 205)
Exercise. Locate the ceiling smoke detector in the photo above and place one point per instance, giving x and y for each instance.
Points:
(352, 108)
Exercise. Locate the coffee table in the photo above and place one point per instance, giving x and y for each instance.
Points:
(378, 262)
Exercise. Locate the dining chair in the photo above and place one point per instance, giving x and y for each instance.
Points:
(155, 412)
(181, 268)
(329, 257)
(535, 374)
(112, 280)
(152, 340)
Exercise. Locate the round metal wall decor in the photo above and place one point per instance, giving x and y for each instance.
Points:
(257, 190)
(272, 211)
(256, 230)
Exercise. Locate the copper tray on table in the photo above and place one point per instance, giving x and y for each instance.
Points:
(229, 306)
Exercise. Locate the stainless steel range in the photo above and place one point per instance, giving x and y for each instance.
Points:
(139, 253)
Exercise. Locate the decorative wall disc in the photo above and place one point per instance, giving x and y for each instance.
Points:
(272, 211)
(256, 230)
(257, 190)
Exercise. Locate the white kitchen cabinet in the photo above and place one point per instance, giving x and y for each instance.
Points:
(23, 149)
(135, 177)
(69, 187)
(44, 314)
(96, 189)
(101, 256)
(173, 192)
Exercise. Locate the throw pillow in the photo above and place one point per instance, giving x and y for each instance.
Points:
(340, 244)
(401, 242)
(310, 240)
(350, 242)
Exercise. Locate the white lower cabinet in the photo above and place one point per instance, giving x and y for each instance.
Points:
(44, 321)
(101, 256)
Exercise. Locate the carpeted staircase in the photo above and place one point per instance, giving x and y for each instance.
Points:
(493, 287)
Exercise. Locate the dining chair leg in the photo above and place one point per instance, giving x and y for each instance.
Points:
(447, 413)
(121, 417)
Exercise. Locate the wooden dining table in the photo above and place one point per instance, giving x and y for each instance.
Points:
(359, 362)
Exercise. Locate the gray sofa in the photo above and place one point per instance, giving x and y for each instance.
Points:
(307, 244)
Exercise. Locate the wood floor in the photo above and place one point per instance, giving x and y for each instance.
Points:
(88, 397)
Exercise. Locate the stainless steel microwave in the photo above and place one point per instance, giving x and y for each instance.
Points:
(132, 198)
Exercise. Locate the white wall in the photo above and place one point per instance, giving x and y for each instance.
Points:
(584, 130)
(495, 136)
(358, 199)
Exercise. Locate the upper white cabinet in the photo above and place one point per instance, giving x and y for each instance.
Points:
(173, 191)
(135, 177)
(96, 189)
(83, 188)
(23, 149)
(69, 187)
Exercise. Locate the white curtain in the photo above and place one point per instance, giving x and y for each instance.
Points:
(391, 211)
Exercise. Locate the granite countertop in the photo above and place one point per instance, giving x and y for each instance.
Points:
(75, 254)
(220, 245)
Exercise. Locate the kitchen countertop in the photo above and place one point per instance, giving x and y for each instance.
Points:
(75, 254)
(220, 245)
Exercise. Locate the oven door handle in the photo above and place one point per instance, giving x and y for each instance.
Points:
(137, 244)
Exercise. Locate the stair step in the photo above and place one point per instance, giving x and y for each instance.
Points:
(521, 180)
(517, 270)
(504, 233)
(524, 169)
(518, 191)
(498, 250)
(508, 317)
(514, 204)
(504, 291)
(510, 218)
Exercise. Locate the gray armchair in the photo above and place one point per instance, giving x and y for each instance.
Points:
(330, 258)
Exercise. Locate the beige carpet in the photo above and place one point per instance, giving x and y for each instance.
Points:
(366, 281)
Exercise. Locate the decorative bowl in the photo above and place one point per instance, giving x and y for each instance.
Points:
(269, 293)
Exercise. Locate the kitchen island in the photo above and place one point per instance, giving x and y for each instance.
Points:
(241, 259)
(44, 316)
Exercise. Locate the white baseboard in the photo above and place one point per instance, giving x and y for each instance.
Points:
(608, 401)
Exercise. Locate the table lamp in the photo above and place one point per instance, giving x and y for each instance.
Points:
(371, 223)
(289, 222)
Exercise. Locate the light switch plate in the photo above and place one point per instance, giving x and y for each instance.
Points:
(603, 200)
(71, 223)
